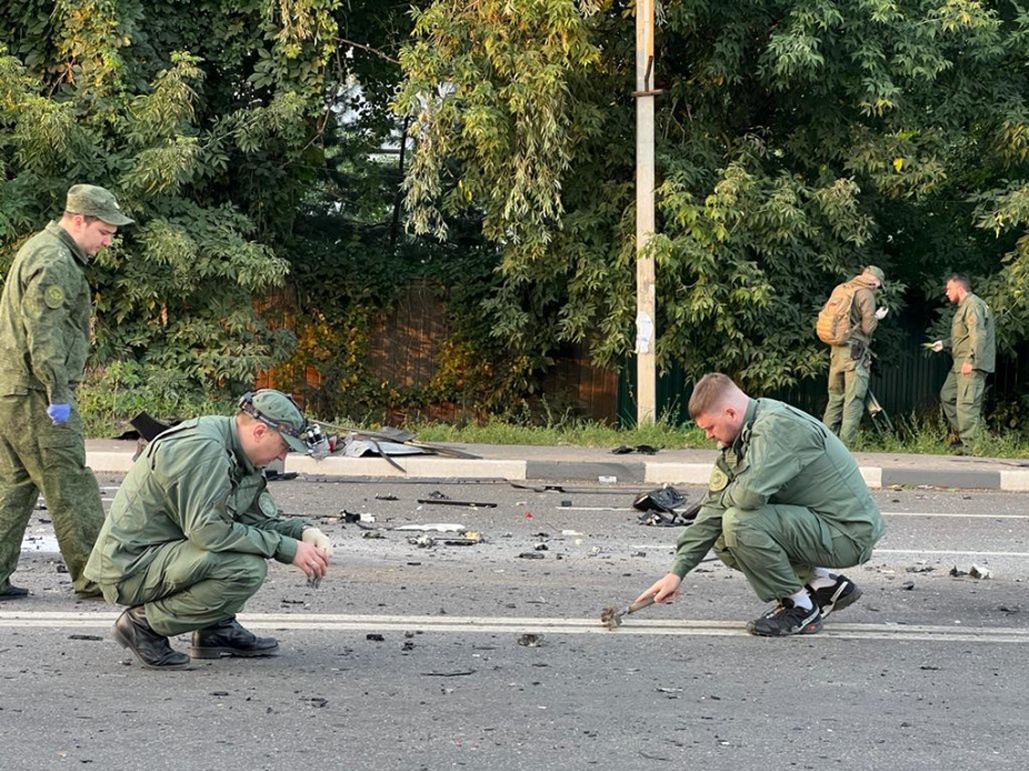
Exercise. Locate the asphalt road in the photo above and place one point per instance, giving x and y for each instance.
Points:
(925, 671)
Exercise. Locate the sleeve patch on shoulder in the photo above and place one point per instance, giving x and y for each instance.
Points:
(53, 296)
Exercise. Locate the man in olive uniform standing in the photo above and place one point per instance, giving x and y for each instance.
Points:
(850, 362)
(973, 347)
(44, 342)
(785, 503)
(188, 535)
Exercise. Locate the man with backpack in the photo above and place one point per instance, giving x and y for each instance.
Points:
(846, 322)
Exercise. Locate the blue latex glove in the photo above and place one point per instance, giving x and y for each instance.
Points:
(59, 413)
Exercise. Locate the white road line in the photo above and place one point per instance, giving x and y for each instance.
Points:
(500, 625)
(941, 514)
(1017, 554)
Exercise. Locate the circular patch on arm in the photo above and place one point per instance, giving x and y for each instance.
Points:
(718, 481)
(53, 296)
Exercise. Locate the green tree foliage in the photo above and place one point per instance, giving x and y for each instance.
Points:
(797, 141)
(206, 119)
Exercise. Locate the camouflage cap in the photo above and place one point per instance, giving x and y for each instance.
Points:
(873, 270)
(94, 201)
(279, 411)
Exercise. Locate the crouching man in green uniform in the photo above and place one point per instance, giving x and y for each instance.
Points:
(785, 503)
(188, 535)
(44, 341)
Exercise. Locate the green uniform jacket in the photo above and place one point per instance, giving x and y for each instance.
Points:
(44, 317)
(782, 456)
(972, 335)
(193, 482)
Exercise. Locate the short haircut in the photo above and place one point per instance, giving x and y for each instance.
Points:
(961, 278)
(89, 219)
(709, 392)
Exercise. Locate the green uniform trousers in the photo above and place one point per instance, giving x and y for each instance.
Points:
(186, 588)
(962, 400)
(37, 456)
(848, 385)
(777, 546)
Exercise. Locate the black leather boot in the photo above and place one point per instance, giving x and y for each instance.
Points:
(134, 632)
(12, 592)
(228, 638)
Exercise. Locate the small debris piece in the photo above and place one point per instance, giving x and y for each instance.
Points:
(668, 690)
(531, 555)
(570, 532)
(436, 495)
(219, 693)
(422, 541)
(85, 637)
(920, 569)
(449, 502)
(317, 701)
(957, 573)
(566, 504)
(594, 551)
(372, 534)
(607, 479)
(908, 585)
(540, 546)
(638, 554)
(979, 572)
(530, 640)
(622, 449)
(386, 497)
(448, 674)
(374, 637)
(407, 646)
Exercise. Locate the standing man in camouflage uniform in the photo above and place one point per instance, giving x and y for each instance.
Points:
(191, 528)
(973, 346)
(44, 342)
(850, 363)
(785, 502)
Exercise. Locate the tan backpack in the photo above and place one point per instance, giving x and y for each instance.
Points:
(833, 325)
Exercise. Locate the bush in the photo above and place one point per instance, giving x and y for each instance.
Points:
(111, 396)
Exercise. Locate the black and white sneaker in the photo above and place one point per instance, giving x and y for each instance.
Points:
(840, 595)
(786, 619)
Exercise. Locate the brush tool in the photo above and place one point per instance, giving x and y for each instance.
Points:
(612, 617)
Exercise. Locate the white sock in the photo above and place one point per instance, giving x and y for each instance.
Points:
(802, 599)
(822, 579)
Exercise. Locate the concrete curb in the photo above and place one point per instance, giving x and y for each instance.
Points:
(606, 471)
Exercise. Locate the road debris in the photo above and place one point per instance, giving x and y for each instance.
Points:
(980, 572)
(665, 507)
(467, 504)
(463, 673)
(920, 568)
(530, 640)
(354, 516)
(975, 571)
(375, 637)
(531, 555)
(386, 497)
(372, 534)
(85, 637)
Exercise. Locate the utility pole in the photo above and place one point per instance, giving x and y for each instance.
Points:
(646, 300)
